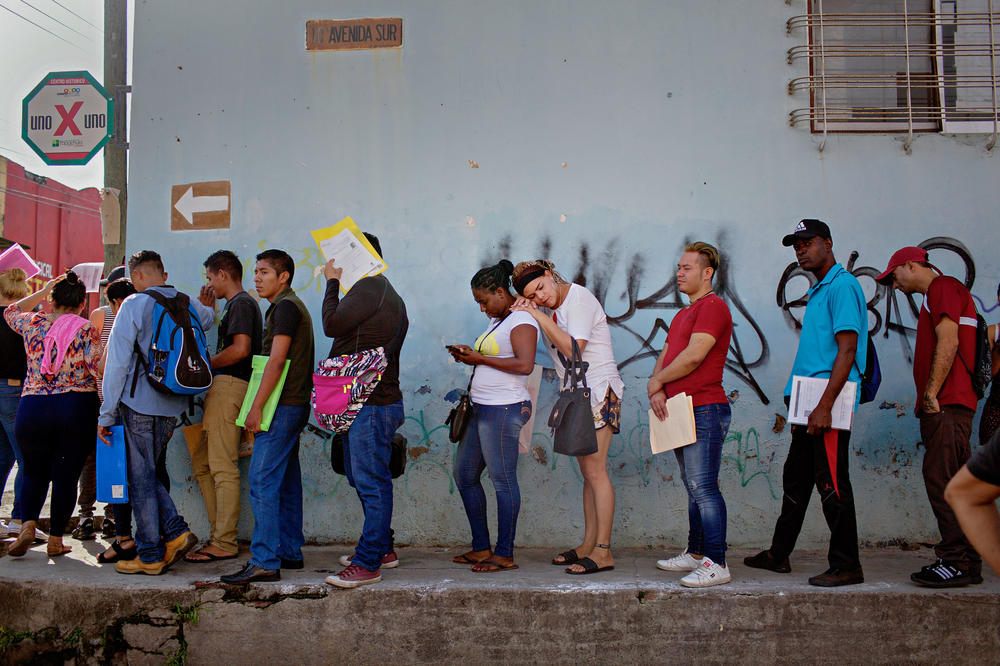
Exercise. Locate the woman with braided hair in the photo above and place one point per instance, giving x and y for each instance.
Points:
(503, 357)
(567, 312)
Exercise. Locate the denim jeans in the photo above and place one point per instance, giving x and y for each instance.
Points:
(276, 489)
(491, 443)
(699, 463)
(367, 448)
(10, 452)
(53, 450)
(122, 511)
(155, 515)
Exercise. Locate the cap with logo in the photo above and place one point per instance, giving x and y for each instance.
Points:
(899, 258)
(806, 229)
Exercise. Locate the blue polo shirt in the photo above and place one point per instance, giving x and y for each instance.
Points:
(836, 303)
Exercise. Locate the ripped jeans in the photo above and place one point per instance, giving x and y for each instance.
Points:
(699, 463)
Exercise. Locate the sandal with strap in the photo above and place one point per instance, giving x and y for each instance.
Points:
(121, 554)
(568, 557)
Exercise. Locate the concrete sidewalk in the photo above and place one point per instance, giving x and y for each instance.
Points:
(430, 610)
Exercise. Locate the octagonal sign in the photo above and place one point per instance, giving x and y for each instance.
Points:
(67, 118)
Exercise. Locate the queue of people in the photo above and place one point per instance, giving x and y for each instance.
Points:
(58, 362)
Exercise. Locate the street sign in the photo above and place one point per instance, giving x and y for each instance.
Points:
(67, 118)
(200, 205)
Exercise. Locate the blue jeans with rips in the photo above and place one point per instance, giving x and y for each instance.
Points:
(491, 443)
(10, 452)
(155, 515)
(276, 489)
(699, 463)
(367, 449)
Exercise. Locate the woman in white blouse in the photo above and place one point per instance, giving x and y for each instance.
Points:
(565, 312)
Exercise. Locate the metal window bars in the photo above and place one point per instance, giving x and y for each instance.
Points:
(933, 69)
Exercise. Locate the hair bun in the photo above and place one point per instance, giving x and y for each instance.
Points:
(16, 274)
(505, 267)
(72, 277)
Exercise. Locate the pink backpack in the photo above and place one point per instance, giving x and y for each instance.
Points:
(342, 384)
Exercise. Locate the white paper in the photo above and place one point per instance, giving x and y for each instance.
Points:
(806, 392)
(351, 255)
(117, 491)
(90, 274)
(677, 430)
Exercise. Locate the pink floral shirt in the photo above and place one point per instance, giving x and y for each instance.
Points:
(78, 371)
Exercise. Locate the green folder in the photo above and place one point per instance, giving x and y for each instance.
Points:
(267, 414)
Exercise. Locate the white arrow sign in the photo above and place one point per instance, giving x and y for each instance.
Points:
(189, 204)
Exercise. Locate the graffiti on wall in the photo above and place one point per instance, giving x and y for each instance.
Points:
(894, 320)
(748, 348)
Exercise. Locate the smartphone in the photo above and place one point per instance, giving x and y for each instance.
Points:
(452, 348)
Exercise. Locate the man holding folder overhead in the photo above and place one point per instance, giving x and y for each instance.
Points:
(275, 476)
(691, 362)
(833, 346)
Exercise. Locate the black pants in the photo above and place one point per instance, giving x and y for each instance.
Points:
(808, 466)
(946, 437)
(55, 432)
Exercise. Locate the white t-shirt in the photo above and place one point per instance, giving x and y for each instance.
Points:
(496, 387)
(582, 316)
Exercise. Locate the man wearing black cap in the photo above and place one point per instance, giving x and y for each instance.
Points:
(832, 346)
(943, 361)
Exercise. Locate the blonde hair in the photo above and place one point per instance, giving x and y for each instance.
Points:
(707, 251)
(14, 284)
(525, 266)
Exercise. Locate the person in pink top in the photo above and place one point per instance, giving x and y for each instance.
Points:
(57, 415)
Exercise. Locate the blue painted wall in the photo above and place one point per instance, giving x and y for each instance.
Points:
(602, 135)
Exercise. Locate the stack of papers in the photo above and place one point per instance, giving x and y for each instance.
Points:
(677, 429)
(346, 243)
(806, 392)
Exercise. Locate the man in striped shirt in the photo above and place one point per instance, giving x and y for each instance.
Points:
(943, 362)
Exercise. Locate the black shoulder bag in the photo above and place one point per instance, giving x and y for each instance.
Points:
(572, 420)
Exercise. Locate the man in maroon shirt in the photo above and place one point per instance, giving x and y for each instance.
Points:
(946, 402)
(691, 362)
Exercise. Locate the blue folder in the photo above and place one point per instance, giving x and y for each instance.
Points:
(112, 470)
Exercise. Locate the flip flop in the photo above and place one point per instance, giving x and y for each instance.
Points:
(121, 554)
(495, 566)
(589, 567)
(207, 557)
(465, 559)
(569, 557)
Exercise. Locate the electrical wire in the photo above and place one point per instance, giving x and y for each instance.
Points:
(63, 39)
(71, 193)
(98, 28)
(40, 198)
(50, 16)
(45, 201)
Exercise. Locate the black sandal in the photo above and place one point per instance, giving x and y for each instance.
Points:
(121, 554)
(569, 557)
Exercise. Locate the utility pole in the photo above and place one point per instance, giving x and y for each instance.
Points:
(116, 150)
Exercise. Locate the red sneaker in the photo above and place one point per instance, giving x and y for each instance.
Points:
(354, 576)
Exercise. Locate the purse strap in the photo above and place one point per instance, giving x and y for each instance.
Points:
(479, 348)
(576, 369)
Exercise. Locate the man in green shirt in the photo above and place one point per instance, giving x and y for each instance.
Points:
(275, 477)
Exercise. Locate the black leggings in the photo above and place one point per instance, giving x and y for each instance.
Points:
(55, 432)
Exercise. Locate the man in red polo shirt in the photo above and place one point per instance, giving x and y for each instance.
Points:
(946, 402)
(691, 362)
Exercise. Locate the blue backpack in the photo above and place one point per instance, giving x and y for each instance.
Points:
(871, 378)
(177, 362)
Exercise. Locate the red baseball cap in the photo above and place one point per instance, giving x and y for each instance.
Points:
(899, 258)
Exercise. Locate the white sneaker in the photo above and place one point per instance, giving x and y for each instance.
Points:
(682, 562)
(13, 528)
(40, 535)
(707, 574)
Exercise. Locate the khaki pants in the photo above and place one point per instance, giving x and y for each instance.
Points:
(214, 459)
